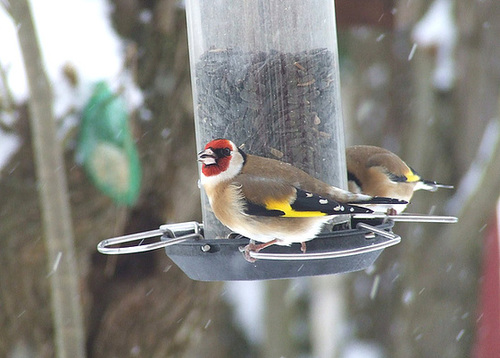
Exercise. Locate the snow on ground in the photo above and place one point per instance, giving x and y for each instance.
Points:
(76, 32)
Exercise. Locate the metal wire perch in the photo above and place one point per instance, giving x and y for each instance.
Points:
(178, 233)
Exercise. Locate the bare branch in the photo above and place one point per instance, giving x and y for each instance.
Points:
(54, 202)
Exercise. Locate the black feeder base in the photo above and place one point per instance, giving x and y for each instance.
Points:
(329, 253)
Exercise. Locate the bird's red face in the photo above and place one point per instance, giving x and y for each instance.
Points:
(216, 157)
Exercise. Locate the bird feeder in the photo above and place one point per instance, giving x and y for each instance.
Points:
(265, 74)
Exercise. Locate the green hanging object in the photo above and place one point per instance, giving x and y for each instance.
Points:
(106, 147)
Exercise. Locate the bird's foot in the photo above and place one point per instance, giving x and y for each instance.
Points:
(253, 247)
(245, 250)
(303, 247)
(391, 212)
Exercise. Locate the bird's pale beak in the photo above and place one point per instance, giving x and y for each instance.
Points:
(207, 157)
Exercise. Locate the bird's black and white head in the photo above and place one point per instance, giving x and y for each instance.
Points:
(221, 160)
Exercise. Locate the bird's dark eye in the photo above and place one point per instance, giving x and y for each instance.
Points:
(222, 152)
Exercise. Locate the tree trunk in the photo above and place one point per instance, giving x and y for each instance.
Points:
(53, 195)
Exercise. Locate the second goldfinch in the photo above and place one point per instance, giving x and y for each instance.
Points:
(377, 171)
(271, 201)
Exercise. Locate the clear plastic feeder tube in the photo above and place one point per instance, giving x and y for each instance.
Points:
(265, 75)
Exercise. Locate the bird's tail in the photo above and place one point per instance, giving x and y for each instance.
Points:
(431, 185)
(377, 204)
(383, 205)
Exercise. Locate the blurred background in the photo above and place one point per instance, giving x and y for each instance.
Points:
(418, 77)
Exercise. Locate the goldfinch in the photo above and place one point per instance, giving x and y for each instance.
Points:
(270, 201)
(377, 171)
